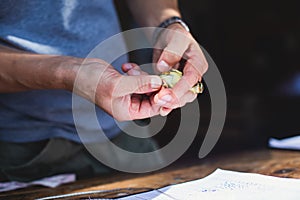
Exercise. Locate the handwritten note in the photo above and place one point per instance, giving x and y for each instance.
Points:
(223, 184)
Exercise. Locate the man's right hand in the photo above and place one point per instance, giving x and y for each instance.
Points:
(123, 97)
(119, 95)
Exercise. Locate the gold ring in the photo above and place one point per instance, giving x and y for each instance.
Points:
(198, 88)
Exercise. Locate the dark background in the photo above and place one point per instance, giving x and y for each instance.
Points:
(256, 46)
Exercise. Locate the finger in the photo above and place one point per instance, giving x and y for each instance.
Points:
(197, 58)
(133, 69)
(141, 84)
(135, 106)
(187, 98)
(164, 111)
(137, 71)
(176, 103)
(172, 53)
(135, 103)
(164, 97)
(143, 108)
(126, 67)
(176, 66)
(156, 54)
(191, 76)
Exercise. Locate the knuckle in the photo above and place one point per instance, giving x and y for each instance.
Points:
(191, 78)
(200, 65)
(171, 55)
(140, 84)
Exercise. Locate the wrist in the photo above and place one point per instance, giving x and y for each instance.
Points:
(92, 79)
(66, 71)
(174, 22)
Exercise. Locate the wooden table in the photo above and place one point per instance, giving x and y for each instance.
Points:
(264, 161)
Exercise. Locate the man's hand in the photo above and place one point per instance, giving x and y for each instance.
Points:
(93, 79)
(173, 46)
(123, 97)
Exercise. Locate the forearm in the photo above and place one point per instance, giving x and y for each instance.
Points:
(153, 12)
(21, 71)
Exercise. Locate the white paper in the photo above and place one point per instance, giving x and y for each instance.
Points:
(287, 143)
(155, 194)
(224, 184)
(52, 182)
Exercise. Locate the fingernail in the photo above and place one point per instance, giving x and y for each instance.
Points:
(127, 66)
(135, 72)
(163, 66)
(161, 102)
(166, 98)
(164, 111)
(156, 83)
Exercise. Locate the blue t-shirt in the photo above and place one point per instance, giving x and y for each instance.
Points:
(60, 27)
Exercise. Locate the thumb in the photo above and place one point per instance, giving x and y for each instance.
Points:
(142, 84)
(166, 60)
(174, 50)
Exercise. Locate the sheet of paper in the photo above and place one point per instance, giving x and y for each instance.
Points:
(224, 184)
(52, 182)
(155, 194)
(287, 143)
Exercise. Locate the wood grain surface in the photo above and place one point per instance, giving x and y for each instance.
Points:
(278, 163)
